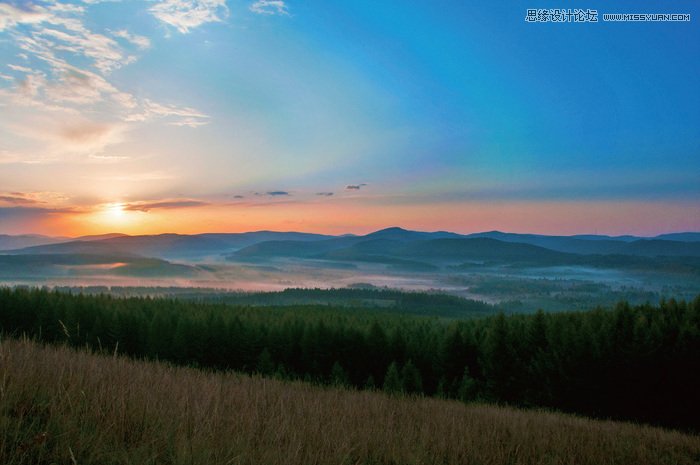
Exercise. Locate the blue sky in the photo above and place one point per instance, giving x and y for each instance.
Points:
(430, 108)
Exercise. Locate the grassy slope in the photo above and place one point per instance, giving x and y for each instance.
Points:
(61, 406)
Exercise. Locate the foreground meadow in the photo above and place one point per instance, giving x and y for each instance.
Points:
(58, 405)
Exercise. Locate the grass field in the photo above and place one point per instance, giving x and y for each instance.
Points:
(66, 407)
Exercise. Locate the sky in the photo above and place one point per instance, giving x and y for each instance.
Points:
(192, 116)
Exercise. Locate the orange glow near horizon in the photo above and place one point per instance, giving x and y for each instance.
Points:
(556, 218)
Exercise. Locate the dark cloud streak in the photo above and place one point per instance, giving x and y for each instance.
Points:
(168, 205)
(17, 198)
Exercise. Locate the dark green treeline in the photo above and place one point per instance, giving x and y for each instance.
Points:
(638, 363)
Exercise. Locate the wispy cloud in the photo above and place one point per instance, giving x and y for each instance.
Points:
(21, 69)
(11, 16)
(185, 15)
(141, 42)
(23, 213)
(163, 204)
(277, 193)
(89, 135)
(178, 115)
(32, 198)
(9, 158)
(269, 7)
(137, 177)
(354, 187)
(325, 194)
(63, 94)
(16, 200)
(68, 135)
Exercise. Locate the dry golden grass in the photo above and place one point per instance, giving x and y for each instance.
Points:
(62, 406)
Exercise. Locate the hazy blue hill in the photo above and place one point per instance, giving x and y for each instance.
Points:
(72, 247)
(240, 240)
(481, 249)
(299, 249)
(680, 237)
(396, 246)
(27, 240)
(371, 246)
(168, 246)
(404, 235)
(99, 237)
(657, 247)
(386, 251)
(8, 242)
(419, 252)
(392, 244)
(601, 237)
(603, 245)
(155, 268)
(77, 264)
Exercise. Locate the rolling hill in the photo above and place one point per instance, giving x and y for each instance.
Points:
(395, 247)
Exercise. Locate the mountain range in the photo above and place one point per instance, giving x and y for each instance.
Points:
(395, 247)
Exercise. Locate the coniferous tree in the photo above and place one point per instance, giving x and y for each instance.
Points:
(467, 387)
(392, 380)
(339, 376)
(411, 379)
(499, 361)
(265, 365)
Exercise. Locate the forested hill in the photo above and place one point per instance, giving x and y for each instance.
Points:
(359, 296)
(636, 363)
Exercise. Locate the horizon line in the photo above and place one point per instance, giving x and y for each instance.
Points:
(117, 233)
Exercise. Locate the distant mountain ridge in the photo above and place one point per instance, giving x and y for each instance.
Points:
(166, 246)
(393, 245)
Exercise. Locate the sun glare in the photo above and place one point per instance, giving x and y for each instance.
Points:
(113, 215)
(115, 211)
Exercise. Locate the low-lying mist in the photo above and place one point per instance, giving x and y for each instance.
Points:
(518, 289)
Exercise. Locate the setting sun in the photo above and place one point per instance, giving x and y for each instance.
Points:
(115, 211)
(115, 215)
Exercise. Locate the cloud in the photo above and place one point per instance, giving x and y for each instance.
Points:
(88, 134)
(25, 213)
(178, 115)
(185, 15)
(62, 93)
(8, 158)
(58, 28)
(269, 7)
(239, 197)
(70, 35)
(165, 204)
(21, 69)
(325, 194)
(277, 193)
(16, 200)
(73, 135)
(31, 85)
(32, 198)
(136, 177)
(81, 87)
(354, 187)
(137, 40)
(11, 16)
